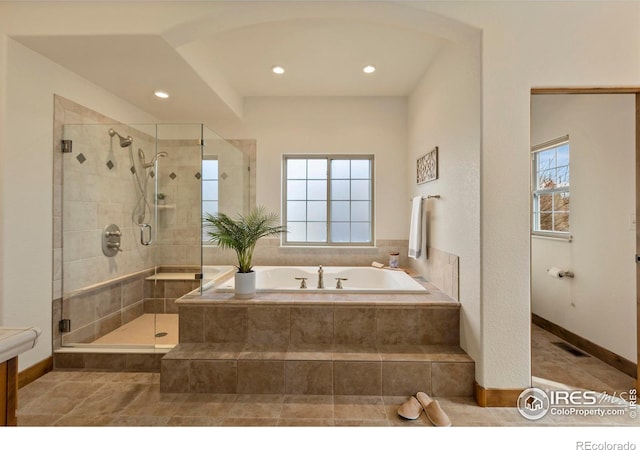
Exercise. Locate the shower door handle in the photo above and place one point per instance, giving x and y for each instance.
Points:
(142, 229)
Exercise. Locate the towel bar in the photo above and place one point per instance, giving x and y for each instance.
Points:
(428, 196)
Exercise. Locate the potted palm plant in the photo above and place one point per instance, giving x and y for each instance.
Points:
(241, 235)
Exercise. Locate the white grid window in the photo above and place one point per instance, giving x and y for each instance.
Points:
(328, 200)
(551, 196)
(209, 189)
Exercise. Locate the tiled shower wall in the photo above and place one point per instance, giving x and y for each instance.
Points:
(99, 189)
(179, 213)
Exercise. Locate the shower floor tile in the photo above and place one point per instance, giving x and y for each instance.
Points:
(142, 331)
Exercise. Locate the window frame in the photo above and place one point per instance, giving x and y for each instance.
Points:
(329, 157)
(536, 192)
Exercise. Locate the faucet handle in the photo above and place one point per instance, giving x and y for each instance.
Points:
(339, 283)
(303, 283)
(114, 245)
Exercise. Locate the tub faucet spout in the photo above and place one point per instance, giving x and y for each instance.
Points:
(320, 278)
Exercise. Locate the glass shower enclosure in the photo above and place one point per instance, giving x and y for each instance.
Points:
(133, 198)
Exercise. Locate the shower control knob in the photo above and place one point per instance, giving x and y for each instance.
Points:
(111, 240)
(114, 245)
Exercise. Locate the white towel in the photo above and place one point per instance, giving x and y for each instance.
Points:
(415, 230)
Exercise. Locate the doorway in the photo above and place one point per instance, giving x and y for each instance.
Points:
(583, 238)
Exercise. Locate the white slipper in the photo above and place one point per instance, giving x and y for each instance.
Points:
(411, 409)
(433, 410)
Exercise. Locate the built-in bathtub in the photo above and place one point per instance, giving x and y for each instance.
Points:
(359, 340)
(353, 280)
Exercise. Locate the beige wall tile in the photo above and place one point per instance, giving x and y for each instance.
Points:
(174, 375)
(226, 324)
(311, 325)
(452, 379)
(309, 377)
(191, 324)
(268, 325)
(132, 291)
(397, 326)
(357, 378)
(260, 377)
(213, 376)
(439, 326)
(354, 325)
(105, 361)
(405, 378)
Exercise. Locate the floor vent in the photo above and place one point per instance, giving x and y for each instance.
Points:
(568, 348)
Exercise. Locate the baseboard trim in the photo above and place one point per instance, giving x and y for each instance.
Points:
(490, 397)
(31, 374)
(607, 356)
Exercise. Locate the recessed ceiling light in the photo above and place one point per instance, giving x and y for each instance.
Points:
(369, 69)
(161, 94)
(278, 70)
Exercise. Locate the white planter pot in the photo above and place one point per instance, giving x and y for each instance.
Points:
(245, 285)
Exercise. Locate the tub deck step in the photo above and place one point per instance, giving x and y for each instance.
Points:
(440, 370)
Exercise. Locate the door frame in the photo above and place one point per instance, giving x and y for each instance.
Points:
(616, 90)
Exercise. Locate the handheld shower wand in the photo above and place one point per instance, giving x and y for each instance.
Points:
(151, 163)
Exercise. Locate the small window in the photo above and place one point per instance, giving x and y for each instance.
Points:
(551, 181)
(328, 200)
(209, 189)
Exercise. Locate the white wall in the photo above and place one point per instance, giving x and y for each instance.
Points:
(601, 131)
(444, 111)
(343, 125)
(27, 185)
(525, 45)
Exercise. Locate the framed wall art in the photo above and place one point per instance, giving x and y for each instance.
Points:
(427, 167)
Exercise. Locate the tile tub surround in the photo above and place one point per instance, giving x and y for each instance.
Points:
(269, 252)
(319, 318)
(321, 344)
(441, 268)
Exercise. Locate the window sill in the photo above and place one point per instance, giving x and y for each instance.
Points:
(553, 236)
(329, 247)
(315, 247)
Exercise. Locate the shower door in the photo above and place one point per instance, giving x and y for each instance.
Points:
(179, 225)
(131, 238)
(108, 225)
(131, 228)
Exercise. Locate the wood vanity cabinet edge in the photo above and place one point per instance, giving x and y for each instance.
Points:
(8, 392)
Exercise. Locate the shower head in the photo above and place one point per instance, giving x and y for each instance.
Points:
(124, 141)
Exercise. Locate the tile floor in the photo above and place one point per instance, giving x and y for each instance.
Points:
(552, 366)
(79, 398)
